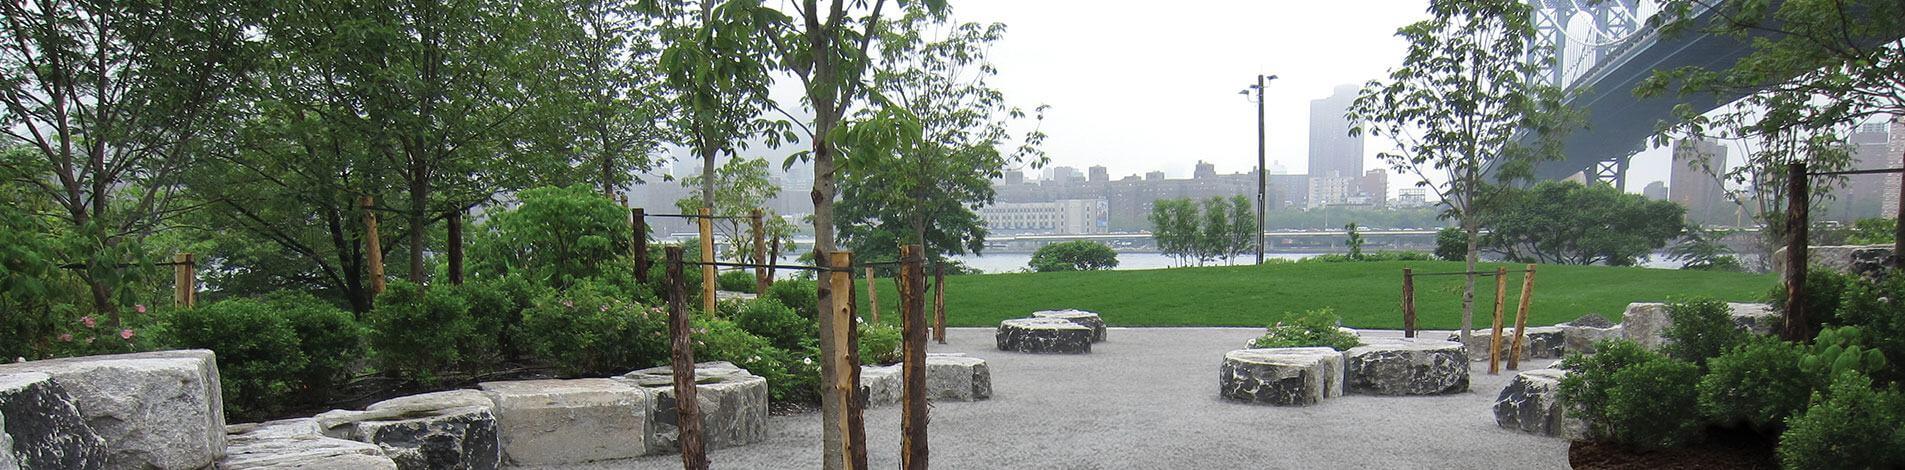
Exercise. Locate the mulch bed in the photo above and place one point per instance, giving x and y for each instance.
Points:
(1723, 449)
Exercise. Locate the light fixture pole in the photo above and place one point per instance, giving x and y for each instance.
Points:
(1262, 167)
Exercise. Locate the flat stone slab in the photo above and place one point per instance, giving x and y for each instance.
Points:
(296, 443)
(1407, 366)
(880, 385)
(1044, 336)
(1531, 404)
(552, 422)
(417, 438)
(41, 426)
(957, 378)
(155, 410)
(434, 401)
(1542, 342)
(1281, 376)
(733, 405)
(1081, 317)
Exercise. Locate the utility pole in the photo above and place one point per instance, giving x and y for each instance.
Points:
(1262, 167)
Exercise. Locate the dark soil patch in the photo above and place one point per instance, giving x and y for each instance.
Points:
(1723, 449)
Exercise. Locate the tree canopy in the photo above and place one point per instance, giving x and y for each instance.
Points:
(1570, 223)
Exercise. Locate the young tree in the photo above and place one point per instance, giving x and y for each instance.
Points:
(1174, 227)
(1466, 88)
(1081, 255)
(717, 72)
(1213, 241)
(741, 186)
(603, 109)
(1243, 227)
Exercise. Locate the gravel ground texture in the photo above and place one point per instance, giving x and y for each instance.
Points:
(1147, 399)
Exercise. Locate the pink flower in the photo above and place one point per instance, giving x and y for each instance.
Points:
(88, 320)
(66, 337)
(125, 334)
(141, 308)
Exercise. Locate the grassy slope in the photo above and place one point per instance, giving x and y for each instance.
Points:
(1367, 295)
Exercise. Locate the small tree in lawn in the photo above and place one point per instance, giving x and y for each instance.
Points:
(1174, 228)
(1081, 255)
(740, 186)
(1243, 226)
(1465, 90)
(1213, 241)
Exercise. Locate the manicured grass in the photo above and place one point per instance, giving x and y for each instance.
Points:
(1366, 295)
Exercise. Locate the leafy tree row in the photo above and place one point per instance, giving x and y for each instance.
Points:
(1204, 231)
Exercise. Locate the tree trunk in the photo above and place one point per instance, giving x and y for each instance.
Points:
(419, 223)
(707, 176)
(1468, 284)
(1898, 226)
(350, 261)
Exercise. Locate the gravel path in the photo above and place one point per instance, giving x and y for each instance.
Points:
(1147, 399)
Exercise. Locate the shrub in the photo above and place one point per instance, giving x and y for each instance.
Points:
(590, 330)
(769, 319)
(1701, 329)
(1653, 404)
(496, 309)
(416, 332)
(801, 295)
(258, 357)
(1451, 244)
(1826, 290)
(1308, 329)
(736, 281)
(329, 337)
(1850, 426)
(723, 340)
(879, 344)
(1878, 311)
(1590, 377)
(1375, 256)
(557, 236)
(1759, 383)
(1081, 255)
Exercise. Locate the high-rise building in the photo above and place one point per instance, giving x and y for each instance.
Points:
(1694, 187)
(1204, 170)
(1862, 197)
(1374, 187)
(1333, 152)
(1154, 176)
(1014, 177)
(1098, 174)
(1331, 190)
(1656, 191)
(1063, 175)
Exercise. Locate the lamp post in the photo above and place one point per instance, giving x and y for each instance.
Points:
(1262, 167)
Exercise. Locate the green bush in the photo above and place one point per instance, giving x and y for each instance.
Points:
(259, 362)
(801, 295)
(496, 310)
(1879, 311)
(556, 237)
(1372, 256)
(590, 330)
(1590, 378)
(1451, 244)
(736, 281)
(1850, 426)
(329, 337)
(1758, 383)
(769, 319)
(1081, 255)
(1654, 405)
(879, 344)
(1826, 290)
(1307, 329)
(723, 340)
(417, 332)
(1701, 329)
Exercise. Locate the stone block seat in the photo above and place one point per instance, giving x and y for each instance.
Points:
(1281, 376)
(296, 443)
(1044, 336)
(158, 410)
(1531, 404)
(733, 405)
(1542, 342)
(431, 431)
(553, 422)
(956, 377)
(41, 426)
(1081, 317)
(880, 384)
(1407, 366)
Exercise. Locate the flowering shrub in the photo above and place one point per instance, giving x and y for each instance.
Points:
(496, 310)
(723, 340)
(767, 318)
(879, 344)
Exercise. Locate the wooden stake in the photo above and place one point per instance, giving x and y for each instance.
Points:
(1796, 226)
(708, 276)
(1495, 342)
(873, 297)
(374, 247)
(939, 303)
(1408, 303)
(184, 280)
(687, 410)
(913, 418)
(774, 248)
(842, 363)
(761, 257)
(1521, 318)
(455, 240)
(639, 245)
(855, 406)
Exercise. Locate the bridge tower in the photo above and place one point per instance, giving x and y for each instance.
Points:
(1568, 55)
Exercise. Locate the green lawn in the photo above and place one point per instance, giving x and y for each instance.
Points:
(1367, 295)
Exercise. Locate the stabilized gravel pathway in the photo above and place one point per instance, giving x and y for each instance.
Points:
(1147, 399)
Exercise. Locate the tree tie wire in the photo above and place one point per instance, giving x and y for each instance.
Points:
(697, 216)
(1478, 273)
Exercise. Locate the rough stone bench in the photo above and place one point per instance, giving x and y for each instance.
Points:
(551, 422)
(1407, 366)
(1542, 342)
(733, 405)
(1531, 404)
(429, 431)
(956, 377)
(296, 443)
(1281, 376)
(1044, 336)
(160, 410)
(880, 384)
(1081, 317)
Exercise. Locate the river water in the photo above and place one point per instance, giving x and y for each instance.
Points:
(1013, 262)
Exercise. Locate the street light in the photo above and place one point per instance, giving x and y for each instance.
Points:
(1262, 168)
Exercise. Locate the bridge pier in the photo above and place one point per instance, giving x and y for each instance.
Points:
(1611, 172)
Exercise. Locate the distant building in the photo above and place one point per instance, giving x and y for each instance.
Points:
(1204, 170)
(1412, 197)
(1694, 187)
(1889, 206)
(1864, 195)
(1063, 217)
(1154, 176)
(1374, 187)
(1656, 191)
(1331, 190)
(1064, 175)
(1333, 152)
(1015, 177)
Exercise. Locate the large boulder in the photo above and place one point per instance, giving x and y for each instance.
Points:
(1407, 366)
(1646, 323)
(422, 436)
(1581, 339)
(553, 422)
(1542, 342)
(297, 444)
(1757, 318)
(1531, 403)
(155, 410)
(957, 377)
(434, 401)
(41, 426)
(880, 385)
(1281, 376)
(1867, 261)
(1081, 317)
(733, 405)
(1044, 336)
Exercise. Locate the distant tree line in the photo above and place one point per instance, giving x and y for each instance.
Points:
(1204, 232)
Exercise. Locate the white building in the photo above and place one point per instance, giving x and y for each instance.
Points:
(1332, 190)
(1412, 197)
(1063, 217)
